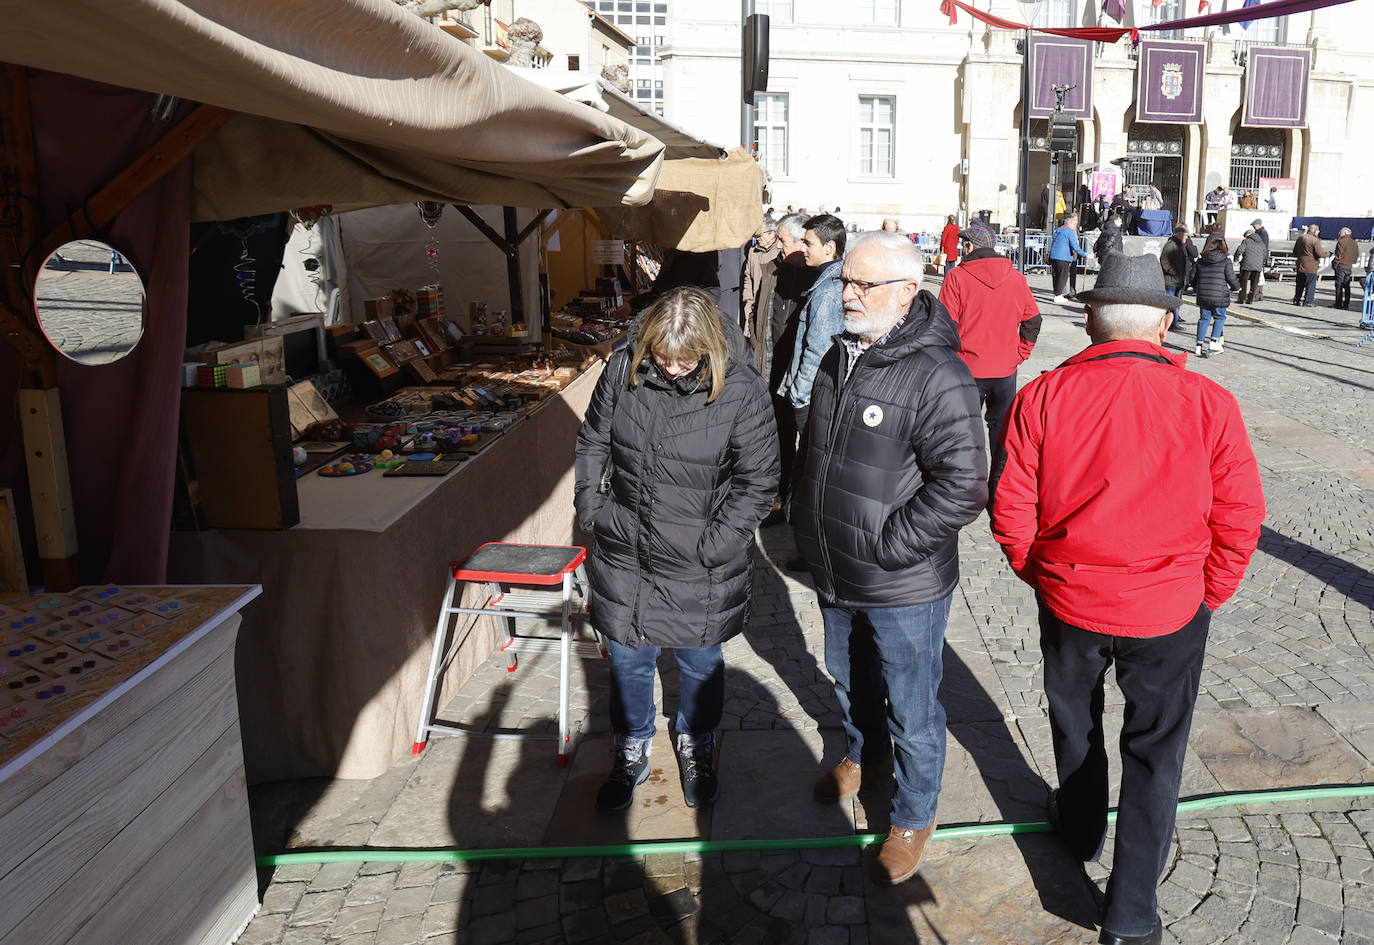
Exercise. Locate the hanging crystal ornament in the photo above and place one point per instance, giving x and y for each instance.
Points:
(246, 272)
(430, 212)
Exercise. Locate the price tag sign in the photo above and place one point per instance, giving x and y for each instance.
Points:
(608, 252)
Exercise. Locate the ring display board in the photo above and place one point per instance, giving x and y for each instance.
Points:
(123, 801)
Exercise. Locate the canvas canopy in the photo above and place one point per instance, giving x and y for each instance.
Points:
(352, 103)
(706, 198)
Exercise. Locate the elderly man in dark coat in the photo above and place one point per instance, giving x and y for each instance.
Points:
(894, 468)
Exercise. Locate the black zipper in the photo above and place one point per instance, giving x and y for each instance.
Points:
(840, 394)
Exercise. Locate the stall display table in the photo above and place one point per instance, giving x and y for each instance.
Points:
(338, 645)
(123, 802)
(1361, 228)
(1154, 223)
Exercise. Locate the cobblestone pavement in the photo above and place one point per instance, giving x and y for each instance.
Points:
(1287, 701)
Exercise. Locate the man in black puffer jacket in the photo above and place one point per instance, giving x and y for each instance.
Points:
(895, 467)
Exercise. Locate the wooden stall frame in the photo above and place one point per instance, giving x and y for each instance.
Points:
(23, 252)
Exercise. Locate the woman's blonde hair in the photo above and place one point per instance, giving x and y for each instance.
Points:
(684, 324)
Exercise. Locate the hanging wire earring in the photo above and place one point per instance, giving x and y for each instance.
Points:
(430, 213)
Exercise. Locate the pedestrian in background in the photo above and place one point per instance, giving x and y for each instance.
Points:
(792, 280)
(1214, 277)
(820, 320)
(1077, 514)
(1109, 240)
(1251, 254)
(1176, 261)
(678, 453)
(1309, 252)
(949, 244)
(1343, 261)
(894, 468)
(756, 302)
(1064, 251)
(998, 324)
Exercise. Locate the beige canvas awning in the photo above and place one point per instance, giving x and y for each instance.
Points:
(353, 103)
(707, 197)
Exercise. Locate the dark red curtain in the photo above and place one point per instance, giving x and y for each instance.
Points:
(120, 418)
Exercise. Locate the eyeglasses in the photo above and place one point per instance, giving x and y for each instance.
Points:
(862, 287)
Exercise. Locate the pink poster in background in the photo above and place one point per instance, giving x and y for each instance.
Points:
(1284, 195)
(1104, 182)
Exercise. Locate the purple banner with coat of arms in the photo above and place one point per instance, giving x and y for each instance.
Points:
(1170, 76)
(1276, 87)
(1058, 60)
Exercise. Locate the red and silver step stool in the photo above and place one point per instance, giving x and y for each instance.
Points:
(524, 582)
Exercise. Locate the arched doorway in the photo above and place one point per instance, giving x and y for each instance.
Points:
(1154, 155)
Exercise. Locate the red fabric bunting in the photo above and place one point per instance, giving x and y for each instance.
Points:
(1104, 34)
(948, 8)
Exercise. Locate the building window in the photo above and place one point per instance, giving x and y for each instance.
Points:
(1056, 14)
(1272, 29)
(1166, 10)
(780, 10)
(574, 63)
(877, 12)
(770, 132)
(877, 133)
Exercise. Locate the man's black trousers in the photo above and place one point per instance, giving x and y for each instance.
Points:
(1159, 678)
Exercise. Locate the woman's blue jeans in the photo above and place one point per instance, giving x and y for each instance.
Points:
(887, 663)
(1213, 317)
(702, 690)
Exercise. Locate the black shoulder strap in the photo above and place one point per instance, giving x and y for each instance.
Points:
(1132, 354)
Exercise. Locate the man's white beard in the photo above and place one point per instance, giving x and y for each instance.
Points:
(867, 325)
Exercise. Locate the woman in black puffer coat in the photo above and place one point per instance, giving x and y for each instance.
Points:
(687, 427)
(1214, 277)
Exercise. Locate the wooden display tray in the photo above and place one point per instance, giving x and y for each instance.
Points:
(42, 719)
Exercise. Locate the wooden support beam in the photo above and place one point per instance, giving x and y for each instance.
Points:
(102, 207)
(50, 485)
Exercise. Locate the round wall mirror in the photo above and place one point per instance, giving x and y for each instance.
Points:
(89, 302)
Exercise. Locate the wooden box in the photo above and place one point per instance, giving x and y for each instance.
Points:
(239, 443)
(134, 827)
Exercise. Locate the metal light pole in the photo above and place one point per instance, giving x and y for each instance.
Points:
(746, 111)
(1028, 10)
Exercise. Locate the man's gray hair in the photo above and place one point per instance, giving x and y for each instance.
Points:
(770, 226)
(1313, 229)
(1345, 231)
(903, 259)
(794, 224)
(1126, 320)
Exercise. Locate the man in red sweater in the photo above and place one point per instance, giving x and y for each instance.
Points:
(998, 324)
(1077, 514)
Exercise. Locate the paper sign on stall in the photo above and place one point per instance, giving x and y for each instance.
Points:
(608, 252)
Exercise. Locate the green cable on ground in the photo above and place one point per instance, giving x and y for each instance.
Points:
(806, 843)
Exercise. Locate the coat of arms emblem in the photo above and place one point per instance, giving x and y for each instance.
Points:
(1171, 81)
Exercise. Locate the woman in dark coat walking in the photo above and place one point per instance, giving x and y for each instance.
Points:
(1214, 277)
(677, 464)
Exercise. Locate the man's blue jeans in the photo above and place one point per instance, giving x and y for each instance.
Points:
(1213, 318)
(887, 665)
(701, 690)
(1177, 292)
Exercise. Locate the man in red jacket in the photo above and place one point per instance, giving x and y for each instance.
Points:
(998, 324)
(1077, 515)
